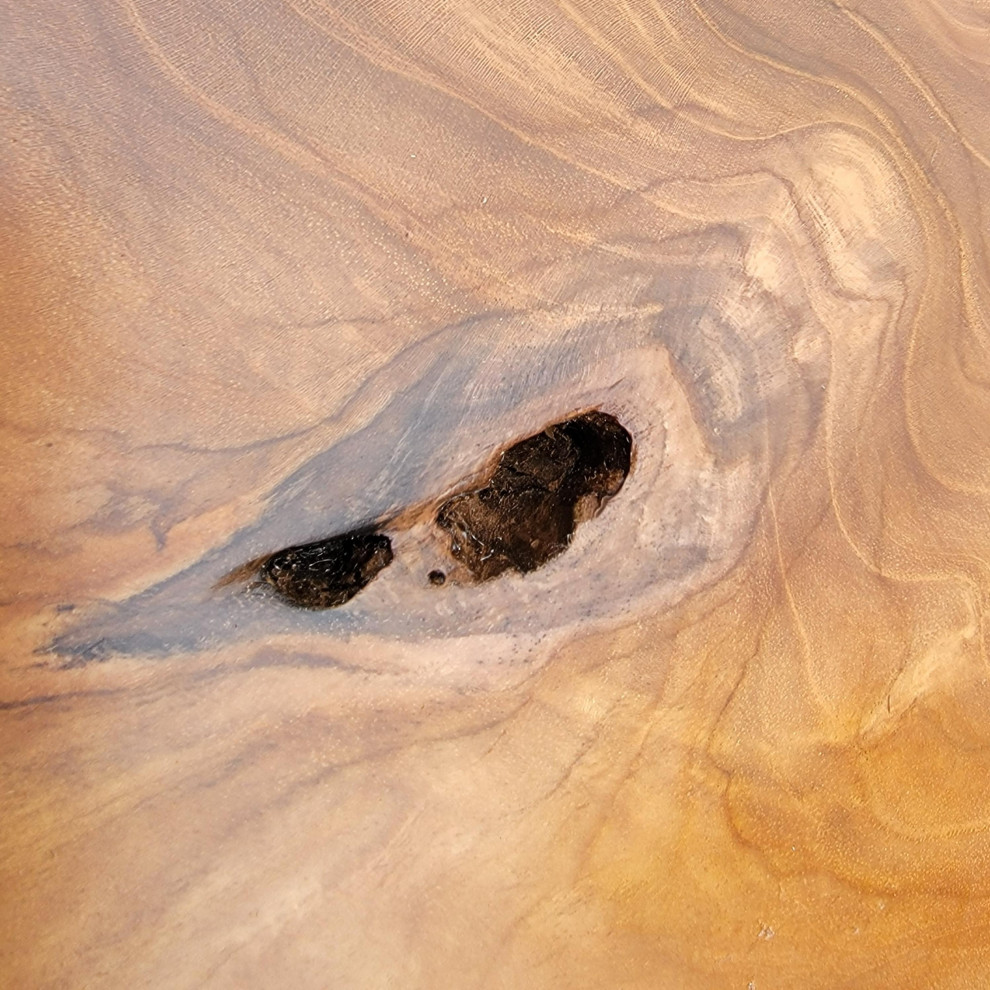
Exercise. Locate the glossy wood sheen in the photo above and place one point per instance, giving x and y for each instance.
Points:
(273, 270)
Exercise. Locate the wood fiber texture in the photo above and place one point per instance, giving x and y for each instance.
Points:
(274, 270)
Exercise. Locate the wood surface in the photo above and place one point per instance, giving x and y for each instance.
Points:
(275, 269)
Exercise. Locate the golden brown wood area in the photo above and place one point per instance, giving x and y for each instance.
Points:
(276, 269)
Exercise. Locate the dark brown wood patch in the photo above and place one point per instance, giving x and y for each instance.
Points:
(541, 489)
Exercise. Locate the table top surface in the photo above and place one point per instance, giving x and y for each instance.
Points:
(282, 271)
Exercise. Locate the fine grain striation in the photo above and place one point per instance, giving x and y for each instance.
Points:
(280, 270)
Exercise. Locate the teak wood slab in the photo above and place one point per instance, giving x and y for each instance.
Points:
(277, 270)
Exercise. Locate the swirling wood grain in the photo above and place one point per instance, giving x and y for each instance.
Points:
(277, 268)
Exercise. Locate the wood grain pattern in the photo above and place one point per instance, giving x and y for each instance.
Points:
(273, 269)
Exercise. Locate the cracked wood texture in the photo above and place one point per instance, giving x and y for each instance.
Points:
(273, 270)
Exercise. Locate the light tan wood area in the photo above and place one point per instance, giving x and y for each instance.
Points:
(276, 269)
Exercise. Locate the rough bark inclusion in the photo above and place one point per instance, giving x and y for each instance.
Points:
(329, 572)
(542, 488)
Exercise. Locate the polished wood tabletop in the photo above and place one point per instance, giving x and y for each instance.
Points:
(495, 494)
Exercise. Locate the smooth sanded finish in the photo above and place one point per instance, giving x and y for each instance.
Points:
(273, 271)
